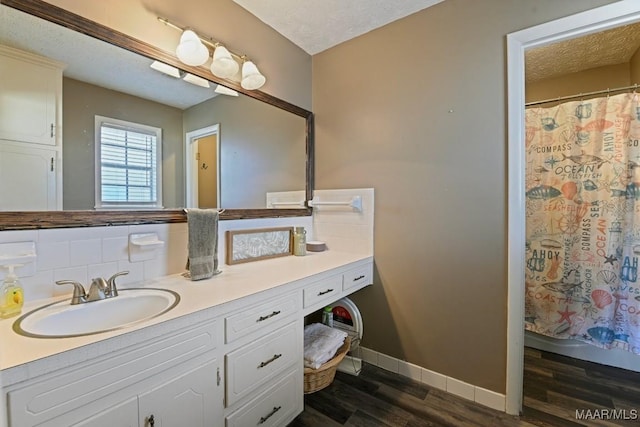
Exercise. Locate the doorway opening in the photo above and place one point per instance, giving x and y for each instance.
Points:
(603, 18)
(202, 168)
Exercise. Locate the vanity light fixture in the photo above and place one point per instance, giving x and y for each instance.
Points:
(223, 65)
(251, 77)
(176, 73)
(191, 50)
(166, 69)
(196, 80)
(223, 90)
(194, 50)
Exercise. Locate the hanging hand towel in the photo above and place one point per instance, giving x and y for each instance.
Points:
(203, 243)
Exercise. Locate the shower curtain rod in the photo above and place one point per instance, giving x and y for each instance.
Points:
(582, 95)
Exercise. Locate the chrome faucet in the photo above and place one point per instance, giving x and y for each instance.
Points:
(100, 289)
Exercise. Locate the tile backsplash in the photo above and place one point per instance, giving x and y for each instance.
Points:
(83, 253)
(344, 228)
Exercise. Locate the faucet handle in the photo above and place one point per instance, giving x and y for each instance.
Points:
(111, 283)
(79, 294)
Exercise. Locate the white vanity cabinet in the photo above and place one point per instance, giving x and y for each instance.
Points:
(236, 363)
(330, 289)
(189, 399)
(263, 362)
(175, 378)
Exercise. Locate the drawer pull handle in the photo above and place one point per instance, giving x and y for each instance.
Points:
(152, 421)
(358, 278)
(268, 316)
(273, 359)
(270, 414)
(325, 292)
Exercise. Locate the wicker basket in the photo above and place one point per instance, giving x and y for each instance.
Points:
(317, 379)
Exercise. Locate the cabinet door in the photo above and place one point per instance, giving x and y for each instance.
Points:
(31, 91)
(122, 415)
(30, 179)
(193, 399)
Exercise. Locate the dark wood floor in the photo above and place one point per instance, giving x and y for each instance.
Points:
(555, 387)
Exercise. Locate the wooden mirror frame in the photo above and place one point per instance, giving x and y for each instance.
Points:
(21, 220)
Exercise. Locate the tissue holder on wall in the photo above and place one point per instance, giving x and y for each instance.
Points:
(143, 246)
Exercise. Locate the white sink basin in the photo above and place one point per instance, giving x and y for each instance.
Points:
(63, 320)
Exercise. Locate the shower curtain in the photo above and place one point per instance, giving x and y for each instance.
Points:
(583, 221)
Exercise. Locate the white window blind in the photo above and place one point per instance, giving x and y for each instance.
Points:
(129, 168)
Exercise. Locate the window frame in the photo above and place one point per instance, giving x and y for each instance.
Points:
(134, 127)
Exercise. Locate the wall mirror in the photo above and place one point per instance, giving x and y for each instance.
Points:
(262, 143)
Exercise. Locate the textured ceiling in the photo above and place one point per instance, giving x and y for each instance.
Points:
(615, 46)
(318, 25)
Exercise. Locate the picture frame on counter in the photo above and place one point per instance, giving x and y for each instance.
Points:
(258, 244)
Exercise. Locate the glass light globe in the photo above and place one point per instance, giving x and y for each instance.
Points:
(223, 64)
(191, 50)
(251, 77)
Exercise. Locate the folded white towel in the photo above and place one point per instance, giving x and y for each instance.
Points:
(321, 343)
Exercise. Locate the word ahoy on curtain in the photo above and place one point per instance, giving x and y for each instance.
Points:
(583, 221)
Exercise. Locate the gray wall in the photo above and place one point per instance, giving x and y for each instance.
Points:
(81, 103)
(262, 148)
(417, 110)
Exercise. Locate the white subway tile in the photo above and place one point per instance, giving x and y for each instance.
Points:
(434, 379)
(387, 362)
(369, 356)
(136, 272)
(38, 286)
(69, 234)
(410, 370)
(52, 255)
(84, 252)
(490, 398)
(460, 388)
(115, 248)
(19, 236)
(104, 270)
(154, 268)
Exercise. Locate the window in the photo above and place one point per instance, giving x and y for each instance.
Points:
(129, 168)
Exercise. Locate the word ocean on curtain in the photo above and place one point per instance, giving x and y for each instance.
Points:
(583, 221)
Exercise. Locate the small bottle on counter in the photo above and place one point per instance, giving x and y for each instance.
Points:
(299, 241)
(327, 316)
(11, 295)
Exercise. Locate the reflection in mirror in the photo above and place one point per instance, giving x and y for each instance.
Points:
(259, 147)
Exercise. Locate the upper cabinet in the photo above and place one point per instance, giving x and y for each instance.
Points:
(30, 98)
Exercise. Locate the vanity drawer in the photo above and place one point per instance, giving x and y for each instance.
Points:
(324, 290)
(262, 360)
(276, 406)
(260, 316)
(357, 277)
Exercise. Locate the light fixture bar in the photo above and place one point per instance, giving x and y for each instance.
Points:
(206, 40)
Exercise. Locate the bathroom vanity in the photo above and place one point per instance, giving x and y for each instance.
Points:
(230, 353)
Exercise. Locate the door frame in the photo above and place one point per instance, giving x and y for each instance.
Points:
(592, 21)
(191, 166)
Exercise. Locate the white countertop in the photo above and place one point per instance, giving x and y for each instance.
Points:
(235, 282)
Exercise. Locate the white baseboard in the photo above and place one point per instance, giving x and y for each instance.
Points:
(451, 385)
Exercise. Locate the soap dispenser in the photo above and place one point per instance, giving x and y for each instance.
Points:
(11, 295)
